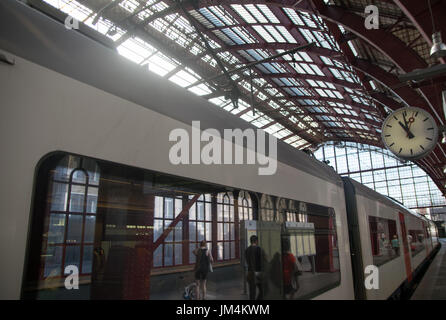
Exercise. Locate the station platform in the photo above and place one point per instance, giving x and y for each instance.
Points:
(433, 284)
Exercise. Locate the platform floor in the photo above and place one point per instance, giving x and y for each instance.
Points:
(433, 284)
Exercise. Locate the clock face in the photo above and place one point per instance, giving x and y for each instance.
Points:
(410, 133)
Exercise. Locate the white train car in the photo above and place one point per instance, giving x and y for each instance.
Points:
(87, 181)
(385, 234)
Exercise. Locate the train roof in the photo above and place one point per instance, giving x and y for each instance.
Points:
(373, 195)
(47, 42)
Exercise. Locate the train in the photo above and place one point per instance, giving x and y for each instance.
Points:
(92, 208)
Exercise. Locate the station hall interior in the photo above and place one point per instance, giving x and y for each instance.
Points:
(317, 170)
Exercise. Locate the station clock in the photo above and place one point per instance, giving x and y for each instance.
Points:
(410, 133)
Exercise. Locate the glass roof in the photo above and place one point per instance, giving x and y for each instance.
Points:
(303, 98)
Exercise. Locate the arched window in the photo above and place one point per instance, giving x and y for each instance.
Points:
(266, 208)
(244, 206)
(225, 226)
(291, 214)
(282, 209)
(71, 217)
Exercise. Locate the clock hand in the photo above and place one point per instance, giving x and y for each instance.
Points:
(409, 134)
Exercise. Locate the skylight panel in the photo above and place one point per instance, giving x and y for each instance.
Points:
(243, 13)
(309, 22)
(307, 68)
(294, 17)
(129, 5)
(264, 34)
(233, 36)
(317, 70)
(268, 14)
(308, 36)
(284, 32)
(326, 60)
(211, 17)
(272, 30)
(305, 56)
(200, 90)
(244, 35)
(352, 47)
(222, 15)
(183, 78)
(256, 13)
(312, 83)
(321, 92)
(338, 94)
(160, 64)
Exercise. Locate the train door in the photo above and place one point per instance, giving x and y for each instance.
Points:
(405, 247)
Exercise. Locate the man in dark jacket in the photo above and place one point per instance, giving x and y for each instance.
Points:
(254, 256)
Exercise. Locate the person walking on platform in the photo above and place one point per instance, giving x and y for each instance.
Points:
(202, 266)
(254, 258)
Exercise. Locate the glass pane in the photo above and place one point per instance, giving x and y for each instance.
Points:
(157, 229)
(200, 231)
(208, 211)
(87, 260)
(170, 234)
(77, 198)
(53, 261)
(192, 247)
(232, 250)
(200, 211)
(59, 197)
(226, 251)
(192, 231)
(178, 254)
(208, 231)
(56, 228)
(220, 231)
(92, 199)
(92, 170)
(179, 231)
(72, 256)
(158, 207)
(192, 212)
(65, 167)
(158, 256)
(168, 254)
(90, 222)
(232, 231)
(220, 250)
(178, 206)
(79, 176)
(74, 234)
(168, 208)
(226, 231)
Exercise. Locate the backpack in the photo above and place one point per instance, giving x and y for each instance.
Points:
(202, 261)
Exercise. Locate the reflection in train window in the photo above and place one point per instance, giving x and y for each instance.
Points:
(132, 233)
(415, 239)
(384, 240)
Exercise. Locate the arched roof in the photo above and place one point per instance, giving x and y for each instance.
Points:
(339, 89)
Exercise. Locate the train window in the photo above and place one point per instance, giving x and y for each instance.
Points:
(415, 239)
(131, 234)
(384, 240)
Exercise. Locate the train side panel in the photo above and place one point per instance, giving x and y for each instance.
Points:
(46, 111)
